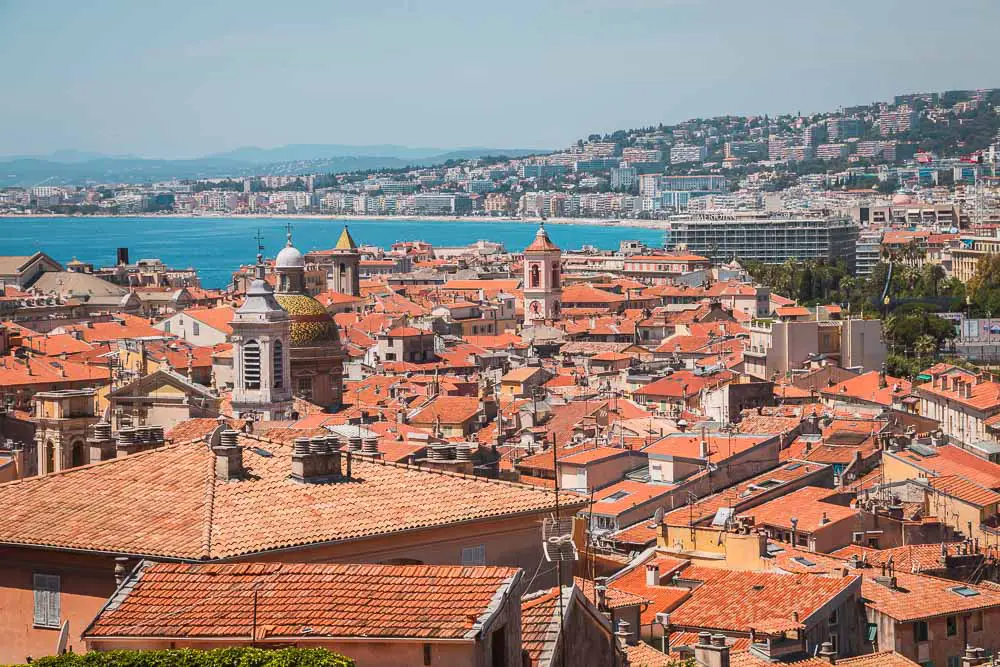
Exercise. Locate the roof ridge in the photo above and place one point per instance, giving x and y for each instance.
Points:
(206, 534)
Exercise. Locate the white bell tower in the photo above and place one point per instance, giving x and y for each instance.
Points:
(261, 354)
(542, 284)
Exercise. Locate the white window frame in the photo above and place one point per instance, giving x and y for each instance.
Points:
(474, 555)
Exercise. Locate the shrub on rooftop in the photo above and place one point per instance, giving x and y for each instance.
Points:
(221, 657)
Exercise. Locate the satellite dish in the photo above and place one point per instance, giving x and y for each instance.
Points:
(63, 638)
(658, 516)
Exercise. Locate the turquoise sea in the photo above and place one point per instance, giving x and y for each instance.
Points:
(217, 246)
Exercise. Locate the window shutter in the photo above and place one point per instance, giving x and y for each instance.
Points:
(46, 599)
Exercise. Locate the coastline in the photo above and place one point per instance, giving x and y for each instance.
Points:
(598, 222)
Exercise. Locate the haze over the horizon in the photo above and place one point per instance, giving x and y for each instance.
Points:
(189, 79)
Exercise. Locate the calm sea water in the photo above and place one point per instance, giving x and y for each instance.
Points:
(217, 246)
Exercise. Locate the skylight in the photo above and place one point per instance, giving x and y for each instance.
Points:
(794, 466)
(801, 560)
(965, 591)
(617, 495)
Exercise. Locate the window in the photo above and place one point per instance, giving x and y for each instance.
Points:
(920, 631)
(251, 365)
(833, 620)
(195, 329)
(977, 621)
(952, 625)
(535, 274)
(46, 589)
(474, 555)
(857, 537)
(954, 661)
(835, 640)
(304, 388)
(279, 364)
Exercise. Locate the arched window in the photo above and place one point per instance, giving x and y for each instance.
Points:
(50, 458)
(251, 365)
(535, 277)
(343, 269)
(278, 369)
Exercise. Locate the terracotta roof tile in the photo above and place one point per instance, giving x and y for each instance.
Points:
(347, 600)
(738, 601)
(167, 502)
(806, 505)
(965, 490)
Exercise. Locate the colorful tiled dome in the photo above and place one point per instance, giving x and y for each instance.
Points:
(311, 324)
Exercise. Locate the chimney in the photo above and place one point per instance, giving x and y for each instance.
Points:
(369, 446)
(121, 570)
(102, 445)
(882, 384)
(623, 634)
(824, 520)
(126, 442)
(652, 574)
(827, 653)
(228, 457)
(317, 459)
(711, 650)
(974, 657)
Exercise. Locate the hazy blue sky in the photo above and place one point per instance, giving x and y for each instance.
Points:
(180, 79)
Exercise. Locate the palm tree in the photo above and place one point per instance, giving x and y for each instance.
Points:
(925, 346)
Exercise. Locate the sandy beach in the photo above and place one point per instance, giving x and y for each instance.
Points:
(602, 222)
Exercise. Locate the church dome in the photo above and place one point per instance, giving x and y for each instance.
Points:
(289, 258)
(311, 323)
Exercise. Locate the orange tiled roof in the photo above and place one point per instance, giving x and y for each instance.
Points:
(965, 490)
(905, 558)
(539, 623)
(805, 504)
(880, 659)
(661, 598)
(866, 388)
(919, 596)
(738, 601)
(951, 460)
(122, 326)
(342, 600)
(642, 654)
(167, 502)
(449, 409)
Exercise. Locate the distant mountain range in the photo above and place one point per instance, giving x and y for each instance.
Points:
(70, 167)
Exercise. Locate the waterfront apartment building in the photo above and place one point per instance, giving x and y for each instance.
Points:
(682, 153)
(651, 185)
(624, 178)
(770, 238)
